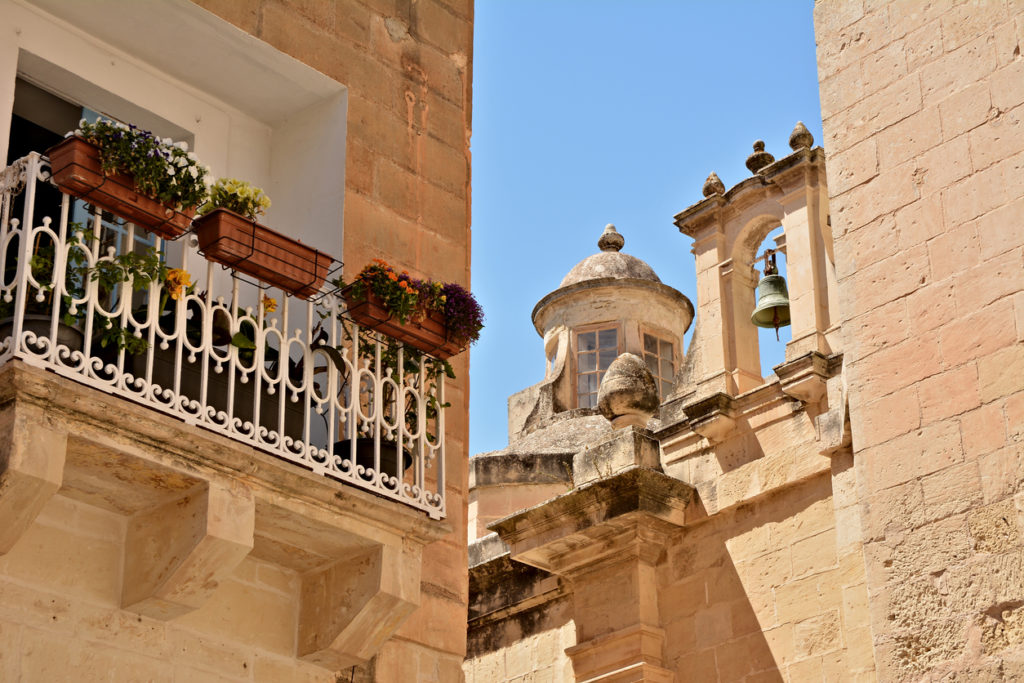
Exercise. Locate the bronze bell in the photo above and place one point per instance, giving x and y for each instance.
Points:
(772, 299)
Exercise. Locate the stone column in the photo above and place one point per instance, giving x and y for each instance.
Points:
(806, 264)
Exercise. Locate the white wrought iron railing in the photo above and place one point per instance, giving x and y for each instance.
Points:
(341, 401)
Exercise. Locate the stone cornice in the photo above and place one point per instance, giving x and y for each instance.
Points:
(636, 497)
(656, 288)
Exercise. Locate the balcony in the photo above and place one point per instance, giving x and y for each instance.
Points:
(296, 379)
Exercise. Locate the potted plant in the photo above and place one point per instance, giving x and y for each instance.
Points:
(152, 182)
(229, 234)
(441, 319)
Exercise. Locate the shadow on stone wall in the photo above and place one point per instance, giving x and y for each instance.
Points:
(742, 592)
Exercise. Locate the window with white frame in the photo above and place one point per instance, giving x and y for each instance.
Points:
(658, 354)
(595, 351)
(260, 115)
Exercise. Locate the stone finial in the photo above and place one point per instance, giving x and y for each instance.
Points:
(800, 137)
(610, 240)
(628, 394)
(713, 185)
(760, 158)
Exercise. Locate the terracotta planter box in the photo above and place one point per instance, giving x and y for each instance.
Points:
(248, 247)
(429, 334)
(75, 167)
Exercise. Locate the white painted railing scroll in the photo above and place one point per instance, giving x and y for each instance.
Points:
(367, 413)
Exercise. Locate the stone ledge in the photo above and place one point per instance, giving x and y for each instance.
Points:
(552, 534)
(505, 468)
(804, 378)
(485, 549)
(619, 451)
(713, 417)
(170, 442)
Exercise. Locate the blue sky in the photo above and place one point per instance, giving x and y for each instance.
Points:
(594, 112)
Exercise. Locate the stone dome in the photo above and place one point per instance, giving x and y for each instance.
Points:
(610, 262)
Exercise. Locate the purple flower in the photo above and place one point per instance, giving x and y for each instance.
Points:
(462, 311)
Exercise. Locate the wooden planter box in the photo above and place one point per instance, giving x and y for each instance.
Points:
(429, 334)
(75, 167)
(248, 247)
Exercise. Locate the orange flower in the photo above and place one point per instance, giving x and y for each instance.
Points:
(393, 277)
(269, 303)
(177, 282)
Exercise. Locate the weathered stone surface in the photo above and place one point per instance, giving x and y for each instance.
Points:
(623, 450)
(609, 263)
(628, 395)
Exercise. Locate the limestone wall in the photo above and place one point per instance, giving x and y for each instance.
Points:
(539, 658)
(922, 103)
(520, 621)
(767, 589)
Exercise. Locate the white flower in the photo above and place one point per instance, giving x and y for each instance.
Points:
(82, 122)
(193, 171)
(183, 146)
(170, 170)
(191, 156)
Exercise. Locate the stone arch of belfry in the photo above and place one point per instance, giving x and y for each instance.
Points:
(727, 228)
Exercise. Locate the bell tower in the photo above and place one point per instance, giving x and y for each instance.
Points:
(727, 228)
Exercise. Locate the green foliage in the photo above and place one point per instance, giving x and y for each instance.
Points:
(238, 196)
(142, 270)
(407, 298)
(162, 169)
(397, 290)
(42, 264)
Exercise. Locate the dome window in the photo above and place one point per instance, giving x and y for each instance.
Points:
(595, 351)
(658, 354)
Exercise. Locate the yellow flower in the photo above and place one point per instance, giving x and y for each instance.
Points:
(269, 303)
(177, 282)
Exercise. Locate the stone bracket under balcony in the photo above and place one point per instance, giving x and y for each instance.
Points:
(196, 504)
(177, 552)
(31, 468)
